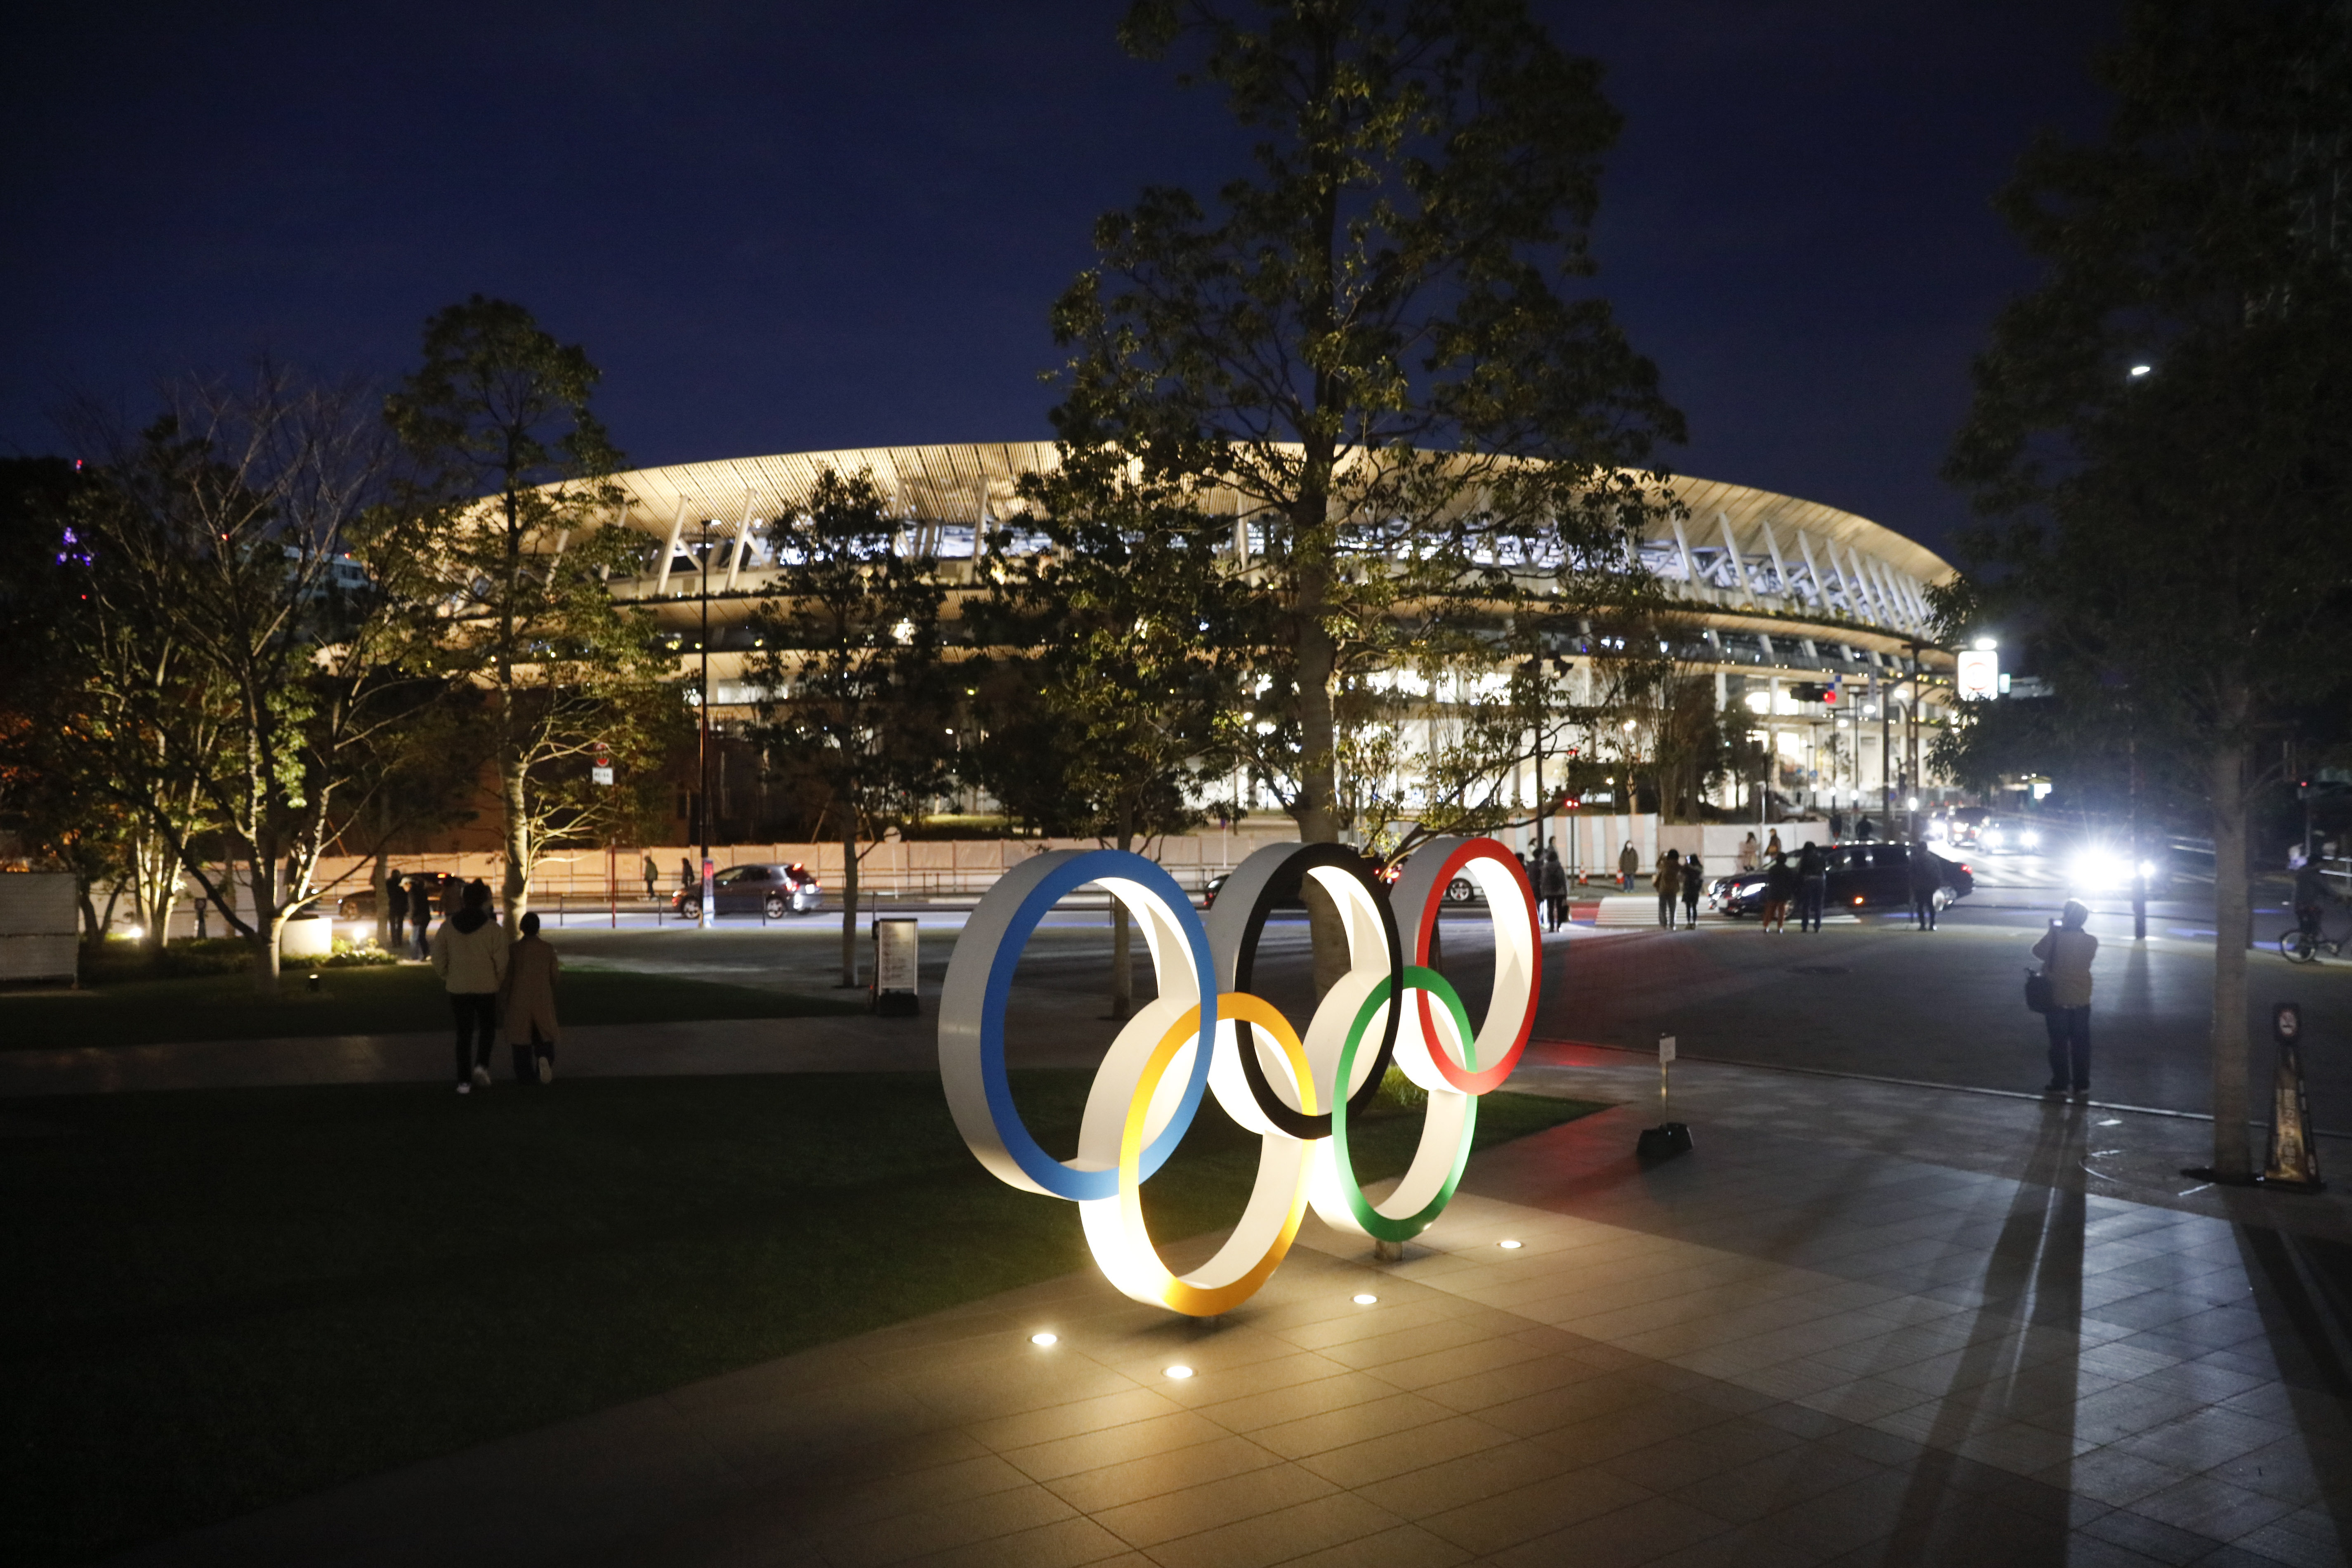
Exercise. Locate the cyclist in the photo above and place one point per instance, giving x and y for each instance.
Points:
(2310, 893)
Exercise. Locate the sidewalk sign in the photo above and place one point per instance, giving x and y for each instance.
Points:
(896, 966)
(1669, 1137)
(2293, 1163)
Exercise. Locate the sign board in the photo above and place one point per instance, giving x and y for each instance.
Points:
(40, 926)
(897, 965)
(601, 773)
(1980, 673)
(1665, 1049)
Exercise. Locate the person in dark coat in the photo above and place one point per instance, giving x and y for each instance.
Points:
(1693, 871)
(1837, 824)
(1553, 884)
(421, 887)
(1865, 828)
(1926, 879)
(396, 910)
(1779, 887)
(1812, 886)
(1668, 880)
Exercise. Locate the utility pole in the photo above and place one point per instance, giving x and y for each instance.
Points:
(702, 738)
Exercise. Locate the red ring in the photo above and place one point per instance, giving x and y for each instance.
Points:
(1488, 1078)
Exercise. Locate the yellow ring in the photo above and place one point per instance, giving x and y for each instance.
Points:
(1115, 1226)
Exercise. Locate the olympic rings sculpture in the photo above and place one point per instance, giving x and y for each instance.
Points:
(1205, 1034)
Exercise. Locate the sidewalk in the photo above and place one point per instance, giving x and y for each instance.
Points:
(1858, 1323)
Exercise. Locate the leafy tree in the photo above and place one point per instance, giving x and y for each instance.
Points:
(2158, 426)
(1133, 670)
(1400, 273)
(231, 673)
(856, 702)
(509, 524)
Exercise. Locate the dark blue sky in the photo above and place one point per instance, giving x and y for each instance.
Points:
(783, 227)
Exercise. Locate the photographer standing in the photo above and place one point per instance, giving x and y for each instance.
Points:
(2066, 951)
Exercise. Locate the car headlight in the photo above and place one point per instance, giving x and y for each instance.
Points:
(2100, 869)
(2029, 838)
(2147, 870)
(1992, 837)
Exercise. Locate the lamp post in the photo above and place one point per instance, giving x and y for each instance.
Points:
(702, 738)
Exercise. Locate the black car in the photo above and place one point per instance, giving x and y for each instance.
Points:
(772, 891)
(1874, 875)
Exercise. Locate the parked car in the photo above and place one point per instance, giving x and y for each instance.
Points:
(1874, 875)
(772, 891)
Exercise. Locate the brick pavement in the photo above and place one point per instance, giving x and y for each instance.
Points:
(1859, 1325)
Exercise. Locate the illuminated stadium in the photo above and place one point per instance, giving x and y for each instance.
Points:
(1789, 597)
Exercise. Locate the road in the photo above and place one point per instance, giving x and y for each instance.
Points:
(1867, 995)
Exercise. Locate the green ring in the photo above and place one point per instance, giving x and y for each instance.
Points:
(1378, 1226)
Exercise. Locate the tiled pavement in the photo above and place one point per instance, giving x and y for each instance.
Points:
(1791, 1346)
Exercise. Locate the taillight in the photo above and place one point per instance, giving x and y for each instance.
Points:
(1964, 865)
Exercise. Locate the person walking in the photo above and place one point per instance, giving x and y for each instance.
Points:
(1772, 845)
(653, 880)
(469, 954)
(1629, 863)
(395, 913)
(421, 885)
(686, 871)
(1865, 828)
(1748, 855)
(1779, 887)
(2066, 951)
(1553, 884)
(526, 1003)
(1694, 875)
(1813, 887)
(1926, 880)
(1668, 880)
(1837, 825)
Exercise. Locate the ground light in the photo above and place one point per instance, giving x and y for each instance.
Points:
(1180, 1373)
(1366, 1299)
(1044, 1339)
(1511, 1245)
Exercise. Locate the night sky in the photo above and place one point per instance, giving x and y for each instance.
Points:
(791, 227)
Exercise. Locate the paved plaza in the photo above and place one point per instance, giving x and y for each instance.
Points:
(1859, 1323)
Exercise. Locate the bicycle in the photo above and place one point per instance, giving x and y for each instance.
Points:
(2301, 946)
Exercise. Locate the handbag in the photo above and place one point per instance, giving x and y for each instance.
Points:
(2037, 992)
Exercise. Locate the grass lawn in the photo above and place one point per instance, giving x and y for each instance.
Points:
(384, 1000)
(217, 1300)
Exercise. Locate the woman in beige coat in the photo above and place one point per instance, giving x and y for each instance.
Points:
(526, 1003)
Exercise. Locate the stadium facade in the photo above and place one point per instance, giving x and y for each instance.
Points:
(1788, 597)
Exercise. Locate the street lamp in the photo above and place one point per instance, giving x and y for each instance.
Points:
(702, 737)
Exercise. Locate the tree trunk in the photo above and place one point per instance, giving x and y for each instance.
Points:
(382, 881)
(1122, 979)
(514, 897)
(268, 923)
(2226, 776)
(848, 899)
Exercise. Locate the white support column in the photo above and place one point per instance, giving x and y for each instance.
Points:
(1870, 596)
(1690, 566)
(743, 540)
(669, 550)
(1739, 562)
(1780, 567)
(1821, 583)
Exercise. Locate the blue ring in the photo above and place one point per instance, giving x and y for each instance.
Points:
(1090, 866)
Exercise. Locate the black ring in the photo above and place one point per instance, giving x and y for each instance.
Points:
(1289, 879)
